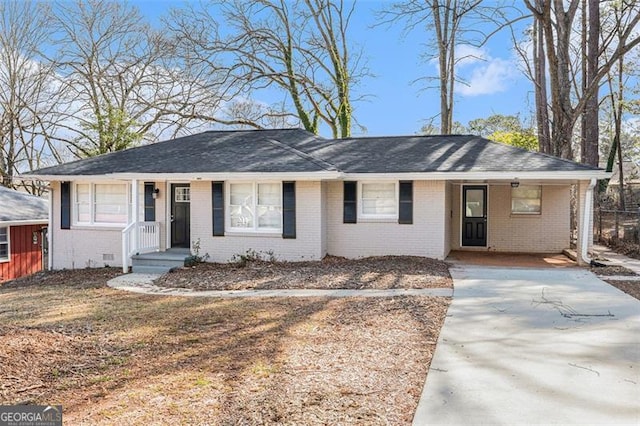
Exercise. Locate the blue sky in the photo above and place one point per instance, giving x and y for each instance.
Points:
(394, 105)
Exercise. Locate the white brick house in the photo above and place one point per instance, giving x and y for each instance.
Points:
(301, 197)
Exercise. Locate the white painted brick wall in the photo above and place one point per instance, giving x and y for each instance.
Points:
(425, 237)
(82, 247)
(306, 246)
(544, 233)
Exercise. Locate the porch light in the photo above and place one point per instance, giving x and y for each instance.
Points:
(515, 184)
(156, 193)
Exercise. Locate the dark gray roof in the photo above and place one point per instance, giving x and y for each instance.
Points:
(296, 150)
(17, 206)
(208, 152)
(451, 153)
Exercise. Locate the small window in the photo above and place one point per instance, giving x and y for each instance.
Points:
(4, 243)
(183, 194)
(526, 199)
(379, 200)
(255, 206)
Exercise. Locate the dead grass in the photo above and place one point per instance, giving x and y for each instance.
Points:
(111, 357)
(385, 272)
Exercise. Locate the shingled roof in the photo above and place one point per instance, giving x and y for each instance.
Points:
(296, 150)
(18, 206)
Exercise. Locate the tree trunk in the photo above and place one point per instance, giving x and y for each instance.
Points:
(592, 132)
(540, 76)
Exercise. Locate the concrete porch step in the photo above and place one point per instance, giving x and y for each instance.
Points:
(158, 262)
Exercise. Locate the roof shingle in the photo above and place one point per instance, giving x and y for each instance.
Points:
(296, 150)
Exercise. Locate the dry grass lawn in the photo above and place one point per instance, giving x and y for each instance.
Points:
(111, 357)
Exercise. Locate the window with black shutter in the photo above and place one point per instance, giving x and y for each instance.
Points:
(217, 211)
(288, 209)
(350, 203)
(405, 209)
(65, 205)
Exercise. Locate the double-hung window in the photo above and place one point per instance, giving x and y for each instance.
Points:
(526, 199)
(101, 203)
(255, 206)
(379, 200)
(4, 243)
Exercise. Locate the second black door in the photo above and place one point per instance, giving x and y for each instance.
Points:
(180, 214)
(474, 216)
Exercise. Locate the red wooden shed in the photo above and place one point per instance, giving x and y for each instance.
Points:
(23, 224)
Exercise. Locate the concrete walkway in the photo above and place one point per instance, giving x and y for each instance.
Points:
(534, 346)
(143, 283)
(614, 258)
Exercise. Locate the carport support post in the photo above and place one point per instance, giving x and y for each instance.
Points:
(584, 220)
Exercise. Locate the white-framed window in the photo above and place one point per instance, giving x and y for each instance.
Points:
(101, 203)
(183, 194)
(526, 199)
(254, 206)
(378, 200)
(5, 254)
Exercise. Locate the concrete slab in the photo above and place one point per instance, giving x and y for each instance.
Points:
(521, 260)
(143, 283)
(534, 346)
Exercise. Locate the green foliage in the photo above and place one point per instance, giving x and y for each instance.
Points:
(523, 139)
(495, 123)
(113, 130)
(195, 256)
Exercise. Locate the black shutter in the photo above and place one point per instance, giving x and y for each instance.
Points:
(217, 208)
(149, 202)
(65, 205)
(405, 215)
(288, 209)
(350, 213)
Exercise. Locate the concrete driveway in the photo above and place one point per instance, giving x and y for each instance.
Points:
(534, 346)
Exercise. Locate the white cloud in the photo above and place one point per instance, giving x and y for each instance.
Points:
(469, 55)
(488, 77)
(479, 73)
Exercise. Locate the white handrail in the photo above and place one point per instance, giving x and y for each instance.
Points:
(146, 239)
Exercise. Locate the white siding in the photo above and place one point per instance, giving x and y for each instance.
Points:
(425, 237)
(306, 246)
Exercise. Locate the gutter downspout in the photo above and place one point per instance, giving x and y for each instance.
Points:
(586, 221)
(50, 231)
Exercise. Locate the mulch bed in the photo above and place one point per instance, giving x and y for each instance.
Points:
(111, 357)
(632, 288)
(607, 271)
(385, 272)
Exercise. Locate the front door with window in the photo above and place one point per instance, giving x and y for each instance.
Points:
(474, 216)
(180, 214)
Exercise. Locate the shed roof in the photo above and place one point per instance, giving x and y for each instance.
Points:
(18, 206)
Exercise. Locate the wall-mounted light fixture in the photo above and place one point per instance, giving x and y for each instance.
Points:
(515, 184)
(156, 193)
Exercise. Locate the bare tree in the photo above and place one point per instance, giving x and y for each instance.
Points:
(27, 93)
(114, 71)
(300, 49)
(556, 21)
(450, 24)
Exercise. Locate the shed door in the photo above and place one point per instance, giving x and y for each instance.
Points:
(474, 218)
(180, 214)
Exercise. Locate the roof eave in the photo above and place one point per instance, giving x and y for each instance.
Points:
(300, 176)
(24, 222)
(492, 175)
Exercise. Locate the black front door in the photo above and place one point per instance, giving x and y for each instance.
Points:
(474, 216)
(180, 214)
